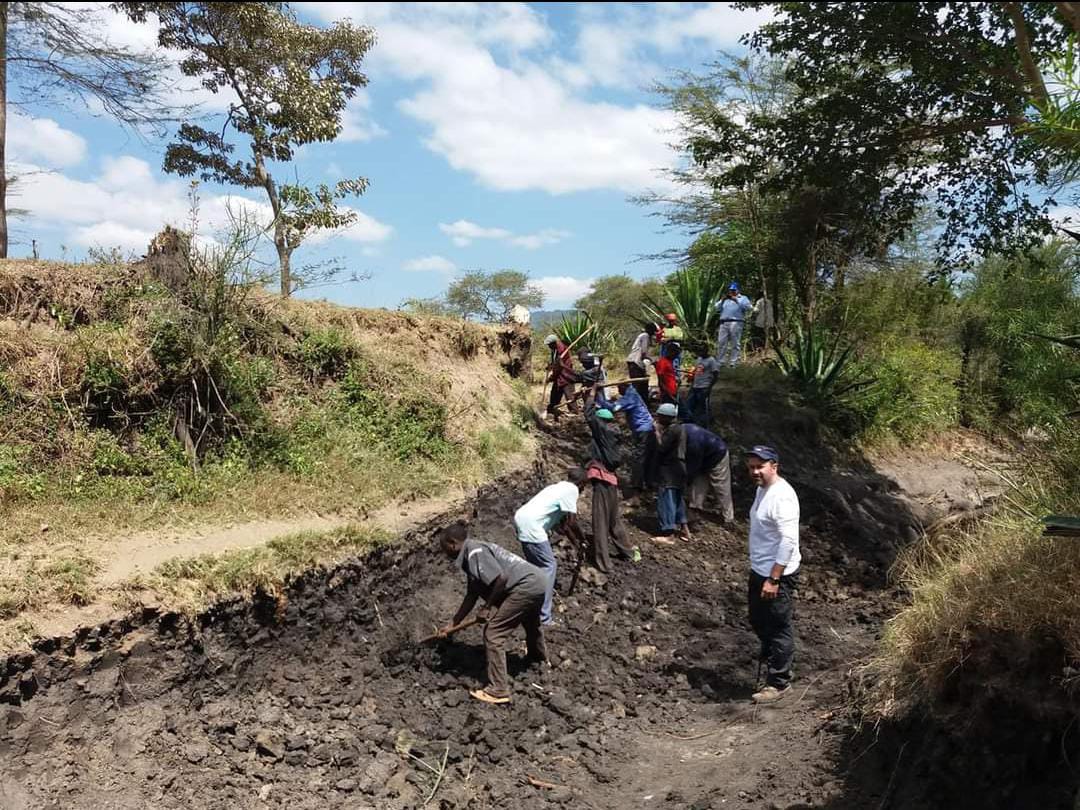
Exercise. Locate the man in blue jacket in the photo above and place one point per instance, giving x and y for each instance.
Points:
(708, 466)
(732, 309)
(640, 422)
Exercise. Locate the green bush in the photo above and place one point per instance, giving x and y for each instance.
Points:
(326, 353)
(915, 393)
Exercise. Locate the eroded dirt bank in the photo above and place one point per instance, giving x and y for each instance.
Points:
(320, 700)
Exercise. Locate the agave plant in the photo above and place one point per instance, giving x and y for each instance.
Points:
(692, 296)
(820, 367)
(599, 338)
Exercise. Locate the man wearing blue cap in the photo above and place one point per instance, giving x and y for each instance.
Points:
(665, 468)
(732, 309)
(774, 569)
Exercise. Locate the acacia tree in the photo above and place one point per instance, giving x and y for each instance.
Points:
(289, 83)
(58, 53)
(491, 296)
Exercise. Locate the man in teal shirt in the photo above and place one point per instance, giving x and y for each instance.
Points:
(732, 310)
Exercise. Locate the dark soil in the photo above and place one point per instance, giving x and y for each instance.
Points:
(321, 699)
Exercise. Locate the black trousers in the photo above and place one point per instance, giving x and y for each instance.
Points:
(637, 372)
(773, 623)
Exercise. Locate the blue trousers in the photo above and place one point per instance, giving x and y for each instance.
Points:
(541, 555)
(670, 508)
(698, 407)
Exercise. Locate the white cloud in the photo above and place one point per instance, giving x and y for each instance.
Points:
(126, 204)
(563, 290)
(366, 229)
(112, 234)
(548, 236)
(356, 125)
(502, 113)
(436, 264)
(463, 232)
(42, 140)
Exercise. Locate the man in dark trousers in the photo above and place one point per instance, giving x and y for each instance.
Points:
(708, 467)
(665, 468)
(639, 358)
(604, 460)
(640, 421)
(511, 587)
(774, 569)
(561, 375)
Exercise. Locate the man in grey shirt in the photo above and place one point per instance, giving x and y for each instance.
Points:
(638, 357)
(508, 584)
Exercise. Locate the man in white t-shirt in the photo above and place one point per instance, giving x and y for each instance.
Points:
(774, 569)
(553, 507)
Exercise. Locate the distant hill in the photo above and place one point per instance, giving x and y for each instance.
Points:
(543, 317)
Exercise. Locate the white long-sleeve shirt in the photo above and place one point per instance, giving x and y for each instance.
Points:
(774, 529)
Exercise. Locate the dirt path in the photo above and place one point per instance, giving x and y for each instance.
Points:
(323, 700)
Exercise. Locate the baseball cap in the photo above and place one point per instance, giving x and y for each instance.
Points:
(667, 409)
(604, 413)
(550, 339)
(734, 286)
(764, 452)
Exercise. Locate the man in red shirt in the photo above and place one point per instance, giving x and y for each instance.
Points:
(561, 375)
(666, 374)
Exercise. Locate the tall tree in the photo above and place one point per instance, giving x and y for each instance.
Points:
(491, 296)
(58, 53)
(289, 84)
(617, 302)
(930, 100)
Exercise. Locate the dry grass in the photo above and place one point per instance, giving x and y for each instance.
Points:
(972, 591)
(195, 582)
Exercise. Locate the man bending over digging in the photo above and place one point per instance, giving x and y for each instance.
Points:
(510, 586)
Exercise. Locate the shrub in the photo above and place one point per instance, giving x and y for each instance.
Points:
(326, 353)
(915, 393)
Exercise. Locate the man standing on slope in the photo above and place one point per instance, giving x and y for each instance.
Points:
(553, 507)
(604, 460)
(511, 587)
(774, 569)
(638, 357)
(732, 310)
(665, 468)
(561, 375)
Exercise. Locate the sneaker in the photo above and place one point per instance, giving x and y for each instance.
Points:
(485, 696)
(770, 694)
(635, 555)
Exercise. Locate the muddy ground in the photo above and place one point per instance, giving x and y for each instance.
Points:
(319, 699)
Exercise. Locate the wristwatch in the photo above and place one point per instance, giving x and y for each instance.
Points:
(774, 581)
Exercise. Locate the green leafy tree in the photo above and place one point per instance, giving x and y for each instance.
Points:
(491, 296)
(615, 303)
(903, 102)
(56, 53)
(290, 83)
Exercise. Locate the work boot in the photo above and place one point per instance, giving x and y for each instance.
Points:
(770, 694)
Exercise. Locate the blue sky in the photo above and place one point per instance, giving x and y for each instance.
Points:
(493, 135)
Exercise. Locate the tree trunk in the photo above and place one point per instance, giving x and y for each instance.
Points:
(1037, 88)
(284, 263)
(1071, 13)
(3, 131)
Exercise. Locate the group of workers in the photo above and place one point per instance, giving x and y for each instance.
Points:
(674, 454)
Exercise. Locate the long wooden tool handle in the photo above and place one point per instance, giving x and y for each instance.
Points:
(450, 630)
(575, 340)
